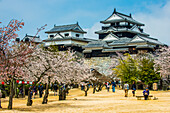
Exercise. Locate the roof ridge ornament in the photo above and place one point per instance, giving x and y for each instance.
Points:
(130, 15)
(114, 10)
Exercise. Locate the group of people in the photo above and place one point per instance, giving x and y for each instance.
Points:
(108, 84)
(34, 91)
(55, 87)
(126, 89)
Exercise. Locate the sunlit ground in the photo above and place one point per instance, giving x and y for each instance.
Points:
(101, 102)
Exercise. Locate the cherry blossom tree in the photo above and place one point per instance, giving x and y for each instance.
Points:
(98, 80)
(162, 61)
(61, 66)
(13, 55)
(162, 65)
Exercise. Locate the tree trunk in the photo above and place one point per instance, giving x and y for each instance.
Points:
(61, 94)
(94, 89)
(11, 95)
(15, 88)
(23, 90)
(86, 89)
(98, 87)
(85, 93)
(101, 86)
(29, 101)
(64, 94)
(45, 99)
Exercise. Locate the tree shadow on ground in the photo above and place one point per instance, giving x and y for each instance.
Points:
(49, 106)
(77, 99)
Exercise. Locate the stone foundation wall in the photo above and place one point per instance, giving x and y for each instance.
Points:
(101, 64)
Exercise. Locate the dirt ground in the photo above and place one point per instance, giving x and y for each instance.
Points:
(100, 102)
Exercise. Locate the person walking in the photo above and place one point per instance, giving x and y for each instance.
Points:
(119, 83)
(40, 88)
(21, 91)
(133, 88)
(126, 88)
(113, 86)
(55, 89)
(34, 92)
(146, 93)
(31, 94)
(108, 86)
(105, 85)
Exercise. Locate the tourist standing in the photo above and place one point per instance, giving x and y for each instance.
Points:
(133, 88)
(40, 88)
(113, 86)
(119, 83)
(126, 88)
(31, 94)
(105, 84)
(146, 93)
(55, 88)
(34, 91)
(21, 91)
(82, 86)
(108, 86)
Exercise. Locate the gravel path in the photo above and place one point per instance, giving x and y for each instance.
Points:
(100, 102)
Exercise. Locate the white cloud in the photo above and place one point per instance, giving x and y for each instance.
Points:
(157, 23)
(90, 31)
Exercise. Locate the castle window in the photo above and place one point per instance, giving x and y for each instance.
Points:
(77, 35)
(117, 23)
(27, 40)
(120, 34)
(51, 36)
(67, 34)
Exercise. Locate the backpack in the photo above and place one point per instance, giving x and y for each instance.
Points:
(126, 86)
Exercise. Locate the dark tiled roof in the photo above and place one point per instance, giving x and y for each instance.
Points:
(71, 27)
(147, 39)
(121, 41)
(125, 18)
(98, 43)
(32, 38)
(120, 30)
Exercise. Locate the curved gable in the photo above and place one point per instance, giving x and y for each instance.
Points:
(137, 39)
(113, 17)
(110, 37)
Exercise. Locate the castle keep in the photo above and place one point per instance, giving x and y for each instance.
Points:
(119, 33)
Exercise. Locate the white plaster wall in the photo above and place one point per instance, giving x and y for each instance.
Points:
(72, 34)
(58, 42)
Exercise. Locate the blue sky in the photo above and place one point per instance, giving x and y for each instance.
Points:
(35, 13)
